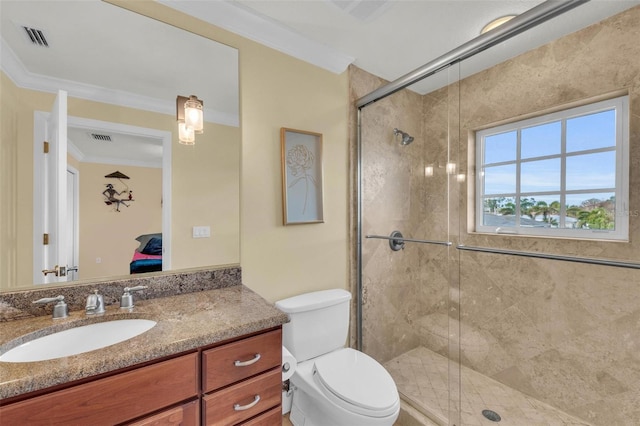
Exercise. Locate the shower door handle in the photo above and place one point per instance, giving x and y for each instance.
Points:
(397, 240)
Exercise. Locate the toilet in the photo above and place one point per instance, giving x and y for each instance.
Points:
(333, 384)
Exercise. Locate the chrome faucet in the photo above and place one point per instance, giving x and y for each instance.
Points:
(95, 304)
(126, 300)
(60, 309)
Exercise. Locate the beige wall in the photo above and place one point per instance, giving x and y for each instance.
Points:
(108, 234)
(206, 192)
(9, 211)
(205, 181)
(561, 332)
(279, 91)
(276, 91)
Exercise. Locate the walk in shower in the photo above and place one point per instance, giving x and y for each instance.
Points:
(497, 327)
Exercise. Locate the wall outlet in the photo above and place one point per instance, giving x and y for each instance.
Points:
(201, 232)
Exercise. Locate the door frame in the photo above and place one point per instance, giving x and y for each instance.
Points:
(40, 123)
(39, 136)
(74, 194)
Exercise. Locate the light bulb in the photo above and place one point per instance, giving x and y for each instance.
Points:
(193, 115)
(186, 135)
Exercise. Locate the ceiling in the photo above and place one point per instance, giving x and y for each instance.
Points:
(388, 38)
(102, 52)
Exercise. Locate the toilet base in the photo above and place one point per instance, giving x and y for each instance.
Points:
(309, 411)
(306, 412)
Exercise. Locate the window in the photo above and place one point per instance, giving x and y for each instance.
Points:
(563, 174)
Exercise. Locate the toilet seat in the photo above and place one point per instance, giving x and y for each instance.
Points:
(356, 382)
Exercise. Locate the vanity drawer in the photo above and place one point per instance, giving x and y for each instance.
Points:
(272, 417)
(254, 354)
(111, 400)
(220, 408)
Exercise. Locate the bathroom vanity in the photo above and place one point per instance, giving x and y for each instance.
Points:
(214, 357)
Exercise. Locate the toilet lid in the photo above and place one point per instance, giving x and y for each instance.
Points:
(358, 379)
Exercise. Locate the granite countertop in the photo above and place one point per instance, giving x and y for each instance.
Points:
(184, 322)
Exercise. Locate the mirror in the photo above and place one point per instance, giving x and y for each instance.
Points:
(122, 73)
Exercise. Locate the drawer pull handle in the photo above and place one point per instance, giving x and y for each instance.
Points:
(238, 407)
(246, 363)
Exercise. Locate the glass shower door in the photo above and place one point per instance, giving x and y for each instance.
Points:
(406, 168)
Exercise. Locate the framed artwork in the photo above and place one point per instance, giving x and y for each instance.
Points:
(302, 192)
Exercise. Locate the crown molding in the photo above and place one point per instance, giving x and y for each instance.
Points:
(21, 77)
(122, 162)
(74, 151)
(248, 24)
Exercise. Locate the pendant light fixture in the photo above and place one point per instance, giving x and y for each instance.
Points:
(190, 116)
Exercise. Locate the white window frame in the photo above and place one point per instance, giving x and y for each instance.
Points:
(621, 107)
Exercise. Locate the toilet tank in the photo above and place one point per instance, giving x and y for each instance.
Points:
(319, 322)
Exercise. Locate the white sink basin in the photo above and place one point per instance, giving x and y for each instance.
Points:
(77, 340)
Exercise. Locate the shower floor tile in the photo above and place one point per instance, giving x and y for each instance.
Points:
(422, 379)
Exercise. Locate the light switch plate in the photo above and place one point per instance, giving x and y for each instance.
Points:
(201, 232)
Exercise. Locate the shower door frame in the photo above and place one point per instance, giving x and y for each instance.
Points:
(515, 26)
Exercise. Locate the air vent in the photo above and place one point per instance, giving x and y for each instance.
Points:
(36, 36)
(99, 137)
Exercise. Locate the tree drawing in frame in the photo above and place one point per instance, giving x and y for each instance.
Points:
(302, 199)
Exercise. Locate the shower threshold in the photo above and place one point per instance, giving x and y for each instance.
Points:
(422, 379)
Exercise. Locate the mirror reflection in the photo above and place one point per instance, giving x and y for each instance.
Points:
(127, 197)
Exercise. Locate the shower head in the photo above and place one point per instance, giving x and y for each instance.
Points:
(406, 137)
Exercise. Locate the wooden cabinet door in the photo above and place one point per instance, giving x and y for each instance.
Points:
(111, 400)
(184, 415)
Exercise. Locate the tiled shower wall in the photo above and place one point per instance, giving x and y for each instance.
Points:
(394, 286)
(565, 333)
